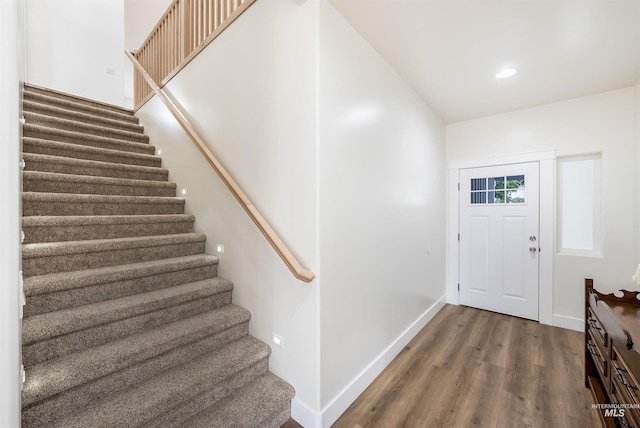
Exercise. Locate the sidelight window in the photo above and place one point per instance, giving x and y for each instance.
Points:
(579, 205)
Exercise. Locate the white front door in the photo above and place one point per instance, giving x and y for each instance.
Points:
(499, 238)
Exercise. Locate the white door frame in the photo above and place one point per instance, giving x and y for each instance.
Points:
(546, 160)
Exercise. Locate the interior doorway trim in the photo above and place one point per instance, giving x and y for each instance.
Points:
(546, 160)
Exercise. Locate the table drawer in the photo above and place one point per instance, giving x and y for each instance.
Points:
(625, 417)
(597, 330)
(626, 389)
(598, 356)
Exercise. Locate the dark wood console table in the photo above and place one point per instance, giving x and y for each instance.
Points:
(612, 357)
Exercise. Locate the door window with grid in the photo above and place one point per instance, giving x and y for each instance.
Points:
(508, 189)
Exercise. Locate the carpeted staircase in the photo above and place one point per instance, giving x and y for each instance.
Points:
(126, 323)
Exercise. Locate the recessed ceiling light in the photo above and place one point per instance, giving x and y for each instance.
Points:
(507, 72)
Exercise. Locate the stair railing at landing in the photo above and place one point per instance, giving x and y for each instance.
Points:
(186, 28)
(283, 251)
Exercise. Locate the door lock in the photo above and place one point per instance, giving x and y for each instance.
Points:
(533, 249)
(532, 238)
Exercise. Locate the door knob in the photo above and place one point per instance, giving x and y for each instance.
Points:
(533, 249)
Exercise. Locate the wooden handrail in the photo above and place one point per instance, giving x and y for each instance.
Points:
(285, 254)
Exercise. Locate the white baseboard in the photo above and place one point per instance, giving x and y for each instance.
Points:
(304, 415)
(569, 323)
(349, 394)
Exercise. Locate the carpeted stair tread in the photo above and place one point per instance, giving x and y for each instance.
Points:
(62, 290)
(159, 395)
(80, 116)
(79, 228)
(82, 127)
(32, 89)
(61, 281)
(49, 257)
(84, 139)
(58, 204)
(65, 165)
(48, 221)
(53, 182)
(73, 105)
(58, 323)
(77, 151)
(49, 249)
(54, 376)
(249, 407)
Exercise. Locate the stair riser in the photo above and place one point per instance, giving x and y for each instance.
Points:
(77, 168)
(81, 116)
(76, 151)
(37, 184)
(89, 260)
(43, 413)
(85, 128)
(103, 231)
(268, 396)
(53, 208)
(44, 303)
(278, 418)
(56, 347)
(211, 390)
(28, 89)
(86, 140)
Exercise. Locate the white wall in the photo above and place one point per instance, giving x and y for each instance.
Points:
(597, 123)
(252, 95)
(140, 17)
(11, 58)
(77, 46)
(382, 196)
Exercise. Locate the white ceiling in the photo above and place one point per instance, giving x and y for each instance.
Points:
(450, 50)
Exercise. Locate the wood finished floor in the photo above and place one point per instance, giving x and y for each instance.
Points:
(474, 368)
